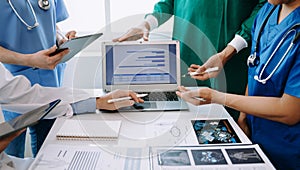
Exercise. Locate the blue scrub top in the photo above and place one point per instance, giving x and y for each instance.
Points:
(15, 36)
(280, 141)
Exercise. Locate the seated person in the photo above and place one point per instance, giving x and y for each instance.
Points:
(16, 92)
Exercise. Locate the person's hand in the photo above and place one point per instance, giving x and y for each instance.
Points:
(213, 61)
(242, 122)
(44, 58)
(61, 39)
(6, 140)
(135, 33)
(71, 34)
(217, 60)
(103, 104)
(200, 96)
(193, 96)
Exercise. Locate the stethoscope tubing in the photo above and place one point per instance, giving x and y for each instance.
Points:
(42, 5)
(29, 27)
(253, 59)
(272, 55)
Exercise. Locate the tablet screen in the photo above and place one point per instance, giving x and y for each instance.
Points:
(27, 119)
(75, 45)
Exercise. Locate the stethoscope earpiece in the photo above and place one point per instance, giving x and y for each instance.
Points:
(259, 80)
(31, 27)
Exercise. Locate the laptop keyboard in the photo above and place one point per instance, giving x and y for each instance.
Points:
(160, 96)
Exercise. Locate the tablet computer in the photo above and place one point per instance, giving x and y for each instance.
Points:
(27, 119)
(76, 45)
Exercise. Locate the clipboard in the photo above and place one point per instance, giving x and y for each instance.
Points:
(27, 119)
(76, 45)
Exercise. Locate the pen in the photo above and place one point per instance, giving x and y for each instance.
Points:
(200, 99)
(124, 98)
(61, 34)
(209, 70)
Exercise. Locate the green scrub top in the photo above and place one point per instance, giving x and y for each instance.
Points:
(206, 26)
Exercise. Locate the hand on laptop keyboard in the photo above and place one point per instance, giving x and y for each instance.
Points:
(161, 96)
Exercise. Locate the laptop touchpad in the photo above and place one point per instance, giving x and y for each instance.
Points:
(145, 105)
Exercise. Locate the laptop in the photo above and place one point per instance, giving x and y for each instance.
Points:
(27, 119)
(144, 67)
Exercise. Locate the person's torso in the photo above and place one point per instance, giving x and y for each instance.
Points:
(15, 36)
(271, 36)
(219, 20)
(206, 27)
(280, 141)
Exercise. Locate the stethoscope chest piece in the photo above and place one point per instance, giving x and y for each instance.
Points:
(253, 60)
(44, 4)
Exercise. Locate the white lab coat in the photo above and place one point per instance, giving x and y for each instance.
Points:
(14, 163)
(17, 95)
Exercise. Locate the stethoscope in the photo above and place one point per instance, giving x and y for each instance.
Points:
(43, 4)
(253, 59)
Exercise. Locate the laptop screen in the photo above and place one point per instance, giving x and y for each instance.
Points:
(141, 63)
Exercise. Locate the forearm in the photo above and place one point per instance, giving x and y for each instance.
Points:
(150, 22)
(285, 109)
(11, 57)
(234, 46)
(17, 94)
(227, 53)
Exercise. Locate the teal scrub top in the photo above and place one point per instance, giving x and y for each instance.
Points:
(206, 26)
(279, 141)
(15, 36)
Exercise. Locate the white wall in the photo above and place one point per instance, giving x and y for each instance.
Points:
(91, 15)
(113, 18)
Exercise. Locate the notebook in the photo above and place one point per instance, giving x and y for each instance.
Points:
(74, 129)
(144, 67)
(27, 119)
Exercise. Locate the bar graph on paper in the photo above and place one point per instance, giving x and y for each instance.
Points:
(84, 160)
(64, 157)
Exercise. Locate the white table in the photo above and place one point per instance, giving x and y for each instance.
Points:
(142, 130)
